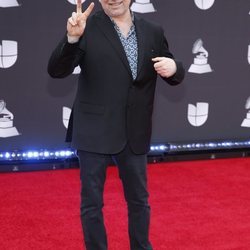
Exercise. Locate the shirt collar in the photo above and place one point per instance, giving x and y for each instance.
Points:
(132, 17)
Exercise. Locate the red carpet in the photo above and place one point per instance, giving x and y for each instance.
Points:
(198, 205)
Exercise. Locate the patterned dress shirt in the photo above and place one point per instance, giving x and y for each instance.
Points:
(130, 46)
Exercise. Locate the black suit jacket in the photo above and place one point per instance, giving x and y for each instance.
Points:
(110, 108)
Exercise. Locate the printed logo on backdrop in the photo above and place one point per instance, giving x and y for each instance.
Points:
(200, 64)
(75, 1)
(246, 121)
(77, 70)
(65, 116)
(197, 115)
(248, 54)
(6, 122)
(204, 4)
(9, 3)
(142, 6)
(8, 53)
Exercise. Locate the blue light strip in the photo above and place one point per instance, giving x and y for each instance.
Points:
(45, 155)
(159, 148)
(36, 155)
(176, 147)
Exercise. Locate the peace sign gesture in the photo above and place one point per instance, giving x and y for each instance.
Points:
(77, 22)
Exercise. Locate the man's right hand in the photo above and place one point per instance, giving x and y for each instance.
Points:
(77, 22)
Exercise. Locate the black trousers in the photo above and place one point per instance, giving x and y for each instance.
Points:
(132, 171)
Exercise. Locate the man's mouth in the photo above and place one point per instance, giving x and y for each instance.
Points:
(116, 4)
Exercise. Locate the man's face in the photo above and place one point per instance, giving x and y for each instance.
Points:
(115, 8)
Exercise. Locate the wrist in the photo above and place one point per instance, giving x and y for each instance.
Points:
(73, 39)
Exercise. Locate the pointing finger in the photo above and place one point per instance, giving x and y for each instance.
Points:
(79, 7)
(157, 59)
(89, 9)
(158, 64)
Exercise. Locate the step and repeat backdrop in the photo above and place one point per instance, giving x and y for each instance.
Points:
(210, 37)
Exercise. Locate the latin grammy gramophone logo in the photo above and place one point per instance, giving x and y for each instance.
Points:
(197, 115)
(248, 54)
(246, 121)
(8, 53)
(8, 3)
(75, 1)
(77, 70)
(142, 6)
(6, 122)
(66, 115)
(204, 4)
(200, 64)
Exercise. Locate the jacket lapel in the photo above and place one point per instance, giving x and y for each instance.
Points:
(141, 41)
(107, 28)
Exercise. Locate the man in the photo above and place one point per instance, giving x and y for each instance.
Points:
(120, 56)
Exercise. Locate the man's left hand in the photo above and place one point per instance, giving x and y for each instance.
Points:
(164, 66)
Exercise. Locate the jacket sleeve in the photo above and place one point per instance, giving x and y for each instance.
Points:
(180, 72)
(64, 59)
